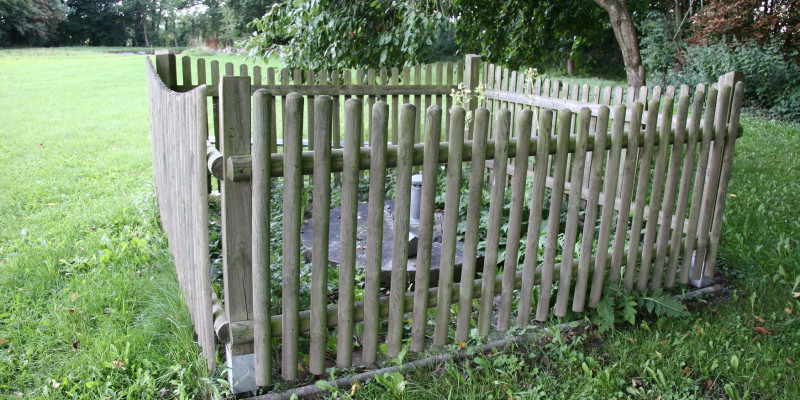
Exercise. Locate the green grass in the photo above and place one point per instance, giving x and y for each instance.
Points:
(91, 308)
(715, 353)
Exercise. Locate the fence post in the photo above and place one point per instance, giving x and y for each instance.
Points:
(471, 82)
(166, 69)
(730, 79)
(236, 204)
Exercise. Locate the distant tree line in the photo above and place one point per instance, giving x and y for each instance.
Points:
(126, 23)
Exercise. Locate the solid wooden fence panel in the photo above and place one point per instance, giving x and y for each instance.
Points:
(372, 270)
(262, 142)
(433, 134)
(502, 126)
(320, 231)
(554, 217)
(449, 229)
(540, 173)
(478, 163)
(408, 126)
(292, 218)
(353, 138)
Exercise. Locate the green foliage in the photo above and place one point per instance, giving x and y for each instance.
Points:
(394, 383)
(768, 75)
(658, 44)
(330, 34)
(524, 33)
(618, 306)
(30, 22)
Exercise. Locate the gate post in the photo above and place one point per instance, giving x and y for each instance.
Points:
(472, 79)
(236, 204)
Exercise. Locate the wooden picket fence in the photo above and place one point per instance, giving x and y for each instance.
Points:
(643, 165)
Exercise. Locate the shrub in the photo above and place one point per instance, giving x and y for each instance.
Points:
(771, 79)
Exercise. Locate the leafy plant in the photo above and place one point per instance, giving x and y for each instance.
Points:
(617, 306)
(394, 382)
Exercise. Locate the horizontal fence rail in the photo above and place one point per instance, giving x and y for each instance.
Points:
(545, 192)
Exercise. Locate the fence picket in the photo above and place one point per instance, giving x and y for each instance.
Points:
(610, 183)
(642, 185)
(671, 191)
(292, 221)
(657, 191)
(502, 126)
(626, 192)
(353, 138)
(449, 229)
(699, 183)
(477, 164)
(377, 195)
(540, 173)
(590, 219)
(573, 208)
(554, 217)
(263, 104)
(320, 231)
(686, 182)
(523, 130)
(408, 126)
(433, 134)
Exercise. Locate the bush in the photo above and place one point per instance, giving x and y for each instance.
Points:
(658, 45)
(772, 81)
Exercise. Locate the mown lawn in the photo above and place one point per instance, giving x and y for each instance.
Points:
(91, 308)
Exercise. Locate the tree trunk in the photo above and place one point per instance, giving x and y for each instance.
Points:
(625, 32)
(144, 29)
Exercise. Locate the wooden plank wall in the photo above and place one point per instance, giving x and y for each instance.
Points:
(178, 131)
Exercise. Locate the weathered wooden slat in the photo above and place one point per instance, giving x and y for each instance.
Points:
(656, 194)
(554, 217)
(236, 202)
(671, 191)
(642, 186)
(186, 70)
(395, 104)
(610, 184)
(699, 183)
(722, 194)
(320, 232)
(449, 229)
(242, 173)
(573, 208)
(372, 270)
(292, 193)
(502, 126)
(712, 181)
(686, 182)
(201, 71)
(523, 129)
(262, 335)
(353, 136)
(402, 217)
(478, 161)
(433, 134)
(626, 192)
(590, 218)
(540, 172)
